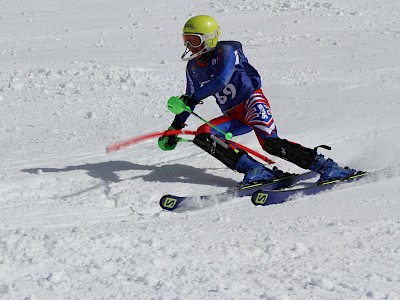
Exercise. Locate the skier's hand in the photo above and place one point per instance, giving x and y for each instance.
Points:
(188, 100)
(169, 142)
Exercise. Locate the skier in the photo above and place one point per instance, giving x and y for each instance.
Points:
(221, 69)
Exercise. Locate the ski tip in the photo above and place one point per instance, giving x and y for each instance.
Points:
(169, 202)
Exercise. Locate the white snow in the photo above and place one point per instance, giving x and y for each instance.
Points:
(77, 223)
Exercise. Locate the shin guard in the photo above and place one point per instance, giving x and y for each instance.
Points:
(292, 152)
(219, 149)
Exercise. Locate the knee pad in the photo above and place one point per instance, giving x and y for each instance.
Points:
(219, 149)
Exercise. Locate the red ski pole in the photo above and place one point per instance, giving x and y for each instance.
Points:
(126, 143)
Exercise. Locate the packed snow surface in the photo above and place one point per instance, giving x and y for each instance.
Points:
(77, 223)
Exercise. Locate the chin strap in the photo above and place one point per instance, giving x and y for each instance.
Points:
(202, 51)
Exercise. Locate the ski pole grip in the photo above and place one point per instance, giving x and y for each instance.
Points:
(176, 105)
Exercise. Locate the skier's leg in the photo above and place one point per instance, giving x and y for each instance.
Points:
(256, 113)
(233, 158)
(307, 158)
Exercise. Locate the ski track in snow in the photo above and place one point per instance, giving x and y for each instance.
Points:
(77, 223)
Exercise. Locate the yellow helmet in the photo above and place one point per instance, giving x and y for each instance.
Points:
(199, 31)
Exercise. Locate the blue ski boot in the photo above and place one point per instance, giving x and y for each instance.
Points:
(255, 171)
(329, 169)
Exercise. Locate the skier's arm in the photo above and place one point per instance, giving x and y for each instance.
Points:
(181, 118)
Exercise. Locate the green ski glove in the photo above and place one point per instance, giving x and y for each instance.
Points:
(168, 143)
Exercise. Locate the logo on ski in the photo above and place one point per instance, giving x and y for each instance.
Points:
(260, 199)
(169, 203)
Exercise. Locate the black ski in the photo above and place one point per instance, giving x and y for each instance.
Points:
(265, 197)
(172, 202)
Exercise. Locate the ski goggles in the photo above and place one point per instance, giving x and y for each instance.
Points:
(192, 39)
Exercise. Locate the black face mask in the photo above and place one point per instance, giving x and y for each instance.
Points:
(206, 57)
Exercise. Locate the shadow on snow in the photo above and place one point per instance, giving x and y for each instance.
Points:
(107, 172)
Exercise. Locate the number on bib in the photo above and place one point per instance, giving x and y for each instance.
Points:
(228, 92)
